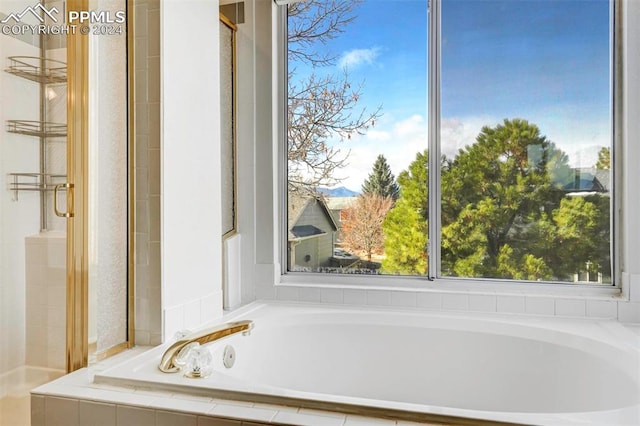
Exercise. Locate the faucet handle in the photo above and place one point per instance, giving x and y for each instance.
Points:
(167, 361)
(182, 358)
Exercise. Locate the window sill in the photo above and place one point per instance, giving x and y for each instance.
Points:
(452, 285)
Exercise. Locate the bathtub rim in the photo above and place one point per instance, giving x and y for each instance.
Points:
(390, 409)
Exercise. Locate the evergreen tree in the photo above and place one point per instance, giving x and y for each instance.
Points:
(495, 195)
(405, 227)
(504, 213)
(381, 181)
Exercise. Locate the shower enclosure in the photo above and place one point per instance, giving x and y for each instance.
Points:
(65, 187)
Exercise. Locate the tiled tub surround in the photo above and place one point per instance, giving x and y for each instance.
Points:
(404, 365)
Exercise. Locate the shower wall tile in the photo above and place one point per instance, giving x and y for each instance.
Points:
(148, 321)
(45, 301)
(140, 17)
(153, 26)
(154, 172)
(153, 74)
(142, 146)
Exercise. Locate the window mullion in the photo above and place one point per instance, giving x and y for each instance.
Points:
(433, 97)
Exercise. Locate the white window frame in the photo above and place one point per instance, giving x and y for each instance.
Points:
(625, 129)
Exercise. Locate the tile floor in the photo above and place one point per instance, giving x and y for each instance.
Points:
(15, 406)
(14, 411)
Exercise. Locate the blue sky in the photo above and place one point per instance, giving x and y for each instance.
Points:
(544, 60)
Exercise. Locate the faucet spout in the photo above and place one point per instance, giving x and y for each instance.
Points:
(167, 363)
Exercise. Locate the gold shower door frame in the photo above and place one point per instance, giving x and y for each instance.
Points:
(77, 269)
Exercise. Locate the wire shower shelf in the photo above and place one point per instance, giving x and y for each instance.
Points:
(31, 68)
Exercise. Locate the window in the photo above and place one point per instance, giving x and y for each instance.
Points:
(481, 150)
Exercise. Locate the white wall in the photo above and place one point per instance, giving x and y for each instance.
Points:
(190, 116)
(255, 147)
(245, 142)
(631, 135)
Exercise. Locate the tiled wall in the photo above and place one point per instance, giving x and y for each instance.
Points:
(76, 400)
(51, 410)
(148, 327)
(500, 301)
(46, 292)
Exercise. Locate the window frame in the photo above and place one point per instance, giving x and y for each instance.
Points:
(435, 281)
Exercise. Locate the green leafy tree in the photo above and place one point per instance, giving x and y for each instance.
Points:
(405, 226)
(381, 181)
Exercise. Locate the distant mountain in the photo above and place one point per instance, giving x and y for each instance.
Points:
(338, 192)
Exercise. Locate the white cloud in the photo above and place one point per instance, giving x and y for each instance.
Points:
(356, 57)
(458, 132)
(379, 135)
(400, 140)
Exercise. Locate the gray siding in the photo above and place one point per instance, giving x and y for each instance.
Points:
(320, 249)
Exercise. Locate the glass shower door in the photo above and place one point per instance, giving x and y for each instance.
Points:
(99, 231)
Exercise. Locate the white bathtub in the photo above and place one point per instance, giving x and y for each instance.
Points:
(419, 366)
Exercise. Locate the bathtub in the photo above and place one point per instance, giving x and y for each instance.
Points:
(419, 366)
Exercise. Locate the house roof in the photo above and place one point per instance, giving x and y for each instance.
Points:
(303, 232)
(297, 206)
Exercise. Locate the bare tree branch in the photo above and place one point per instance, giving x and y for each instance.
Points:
(322, 110)
(317, 21)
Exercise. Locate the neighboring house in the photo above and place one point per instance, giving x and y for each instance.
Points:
(312, 231)
(337, 205)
